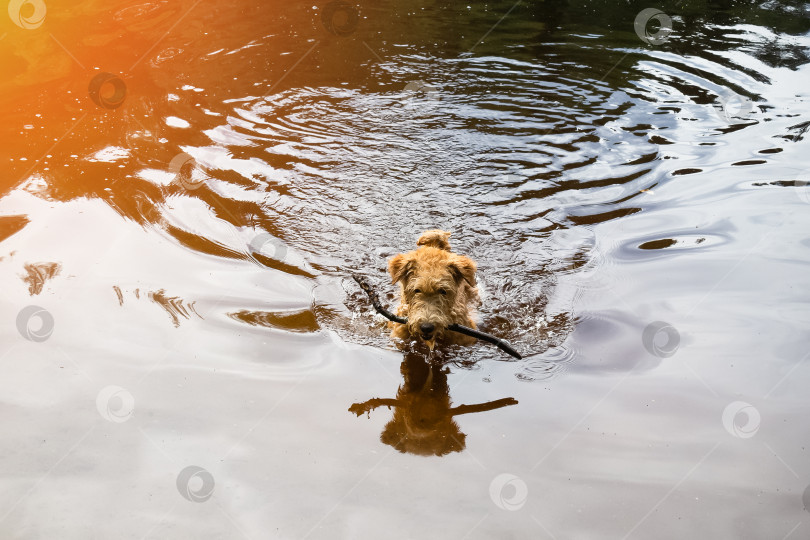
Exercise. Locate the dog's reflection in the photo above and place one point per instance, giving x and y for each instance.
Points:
(423, 421)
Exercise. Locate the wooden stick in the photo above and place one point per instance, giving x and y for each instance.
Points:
(483, 336)
(489, 338)
(375, 301)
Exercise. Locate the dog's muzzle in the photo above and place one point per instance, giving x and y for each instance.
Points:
(428, 335)
(427, 329)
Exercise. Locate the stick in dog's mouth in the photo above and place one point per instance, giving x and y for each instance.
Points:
(483, 336)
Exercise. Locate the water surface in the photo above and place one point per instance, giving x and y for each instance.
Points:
(187, 187)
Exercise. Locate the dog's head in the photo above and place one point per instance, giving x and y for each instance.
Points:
(431, 280)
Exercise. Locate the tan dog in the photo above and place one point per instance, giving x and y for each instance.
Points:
(438, 289)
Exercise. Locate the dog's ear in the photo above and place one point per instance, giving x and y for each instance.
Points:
(400, 267)
(463, 268)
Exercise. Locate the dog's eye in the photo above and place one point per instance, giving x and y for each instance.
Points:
(442, 292)
(417, 291)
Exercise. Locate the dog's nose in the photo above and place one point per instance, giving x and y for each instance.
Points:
(426, 328)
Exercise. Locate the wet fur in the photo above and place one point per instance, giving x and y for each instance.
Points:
(423, 274)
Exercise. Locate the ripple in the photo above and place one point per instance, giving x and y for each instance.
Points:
(749, 162)
(139, 11)
(295, 321)
(166, 54)
(669, 245)
(546, 366)
(110, 154)
(659, 244)
(38, 273)
(10, 225)
(681, 172)
(174, 306)
(175, 122)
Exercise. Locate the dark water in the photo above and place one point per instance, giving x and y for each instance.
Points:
(187, 187)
